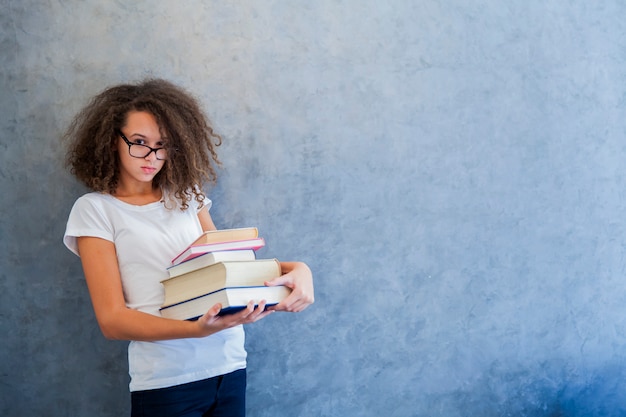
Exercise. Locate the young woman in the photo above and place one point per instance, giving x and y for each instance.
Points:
(146, 151)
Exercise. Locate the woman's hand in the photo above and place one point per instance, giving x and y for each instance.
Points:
(298, 277)
(211, 323)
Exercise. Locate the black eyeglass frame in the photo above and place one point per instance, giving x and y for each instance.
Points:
(155, 150)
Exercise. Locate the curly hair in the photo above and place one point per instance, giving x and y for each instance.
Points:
(192, 158)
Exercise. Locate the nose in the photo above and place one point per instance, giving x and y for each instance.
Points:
(152, 155)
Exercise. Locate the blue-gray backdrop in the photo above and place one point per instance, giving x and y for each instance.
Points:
(452, 171)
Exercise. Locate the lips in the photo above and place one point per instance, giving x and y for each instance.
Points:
(148, 170)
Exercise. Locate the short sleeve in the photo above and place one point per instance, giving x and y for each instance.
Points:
(206, 203)
(87, 218)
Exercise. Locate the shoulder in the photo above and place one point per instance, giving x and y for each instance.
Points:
(90, 201)
(91, 204)
(93, 197)
(88, 218)
(206, 204)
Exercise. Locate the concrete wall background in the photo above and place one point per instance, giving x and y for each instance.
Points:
(451, 170)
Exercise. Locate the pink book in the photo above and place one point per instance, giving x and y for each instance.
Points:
(193, 251)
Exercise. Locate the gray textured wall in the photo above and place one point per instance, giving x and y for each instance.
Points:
(453, 171)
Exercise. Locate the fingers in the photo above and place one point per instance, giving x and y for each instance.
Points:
(211, 314)
(281, 280)
(295, 302)
(251, 314)
(214, 311)
(212, 322)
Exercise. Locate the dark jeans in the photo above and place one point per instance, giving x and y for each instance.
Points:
(223, 395)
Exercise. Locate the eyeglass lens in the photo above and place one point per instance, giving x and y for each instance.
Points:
(142, 151)
(138, 150)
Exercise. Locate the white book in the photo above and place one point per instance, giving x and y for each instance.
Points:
(232, 300)
(211, 258)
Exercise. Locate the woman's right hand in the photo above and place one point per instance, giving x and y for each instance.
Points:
(211, 322)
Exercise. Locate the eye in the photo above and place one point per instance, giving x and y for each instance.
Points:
(139, 141)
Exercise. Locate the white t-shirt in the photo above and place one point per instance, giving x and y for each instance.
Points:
(146, 239)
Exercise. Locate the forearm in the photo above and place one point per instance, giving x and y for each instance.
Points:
(128, 324)
(136, 325)
(287, 267)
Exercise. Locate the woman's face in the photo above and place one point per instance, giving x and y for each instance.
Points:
(140, 164)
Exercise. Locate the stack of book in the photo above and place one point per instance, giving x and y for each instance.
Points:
(220, 267)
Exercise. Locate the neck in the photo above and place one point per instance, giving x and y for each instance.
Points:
(138, 194)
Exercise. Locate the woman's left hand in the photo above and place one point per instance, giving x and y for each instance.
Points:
(298, 277)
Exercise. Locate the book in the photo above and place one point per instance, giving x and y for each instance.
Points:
(226, 235)
(232, 300)
(210, 258)
(217, 276)
(196, 250)
(220, 236)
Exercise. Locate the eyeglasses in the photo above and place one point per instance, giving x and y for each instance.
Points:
(138, 150)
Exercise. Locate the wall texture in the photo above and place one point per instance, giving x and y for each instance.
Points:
(453, 172)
